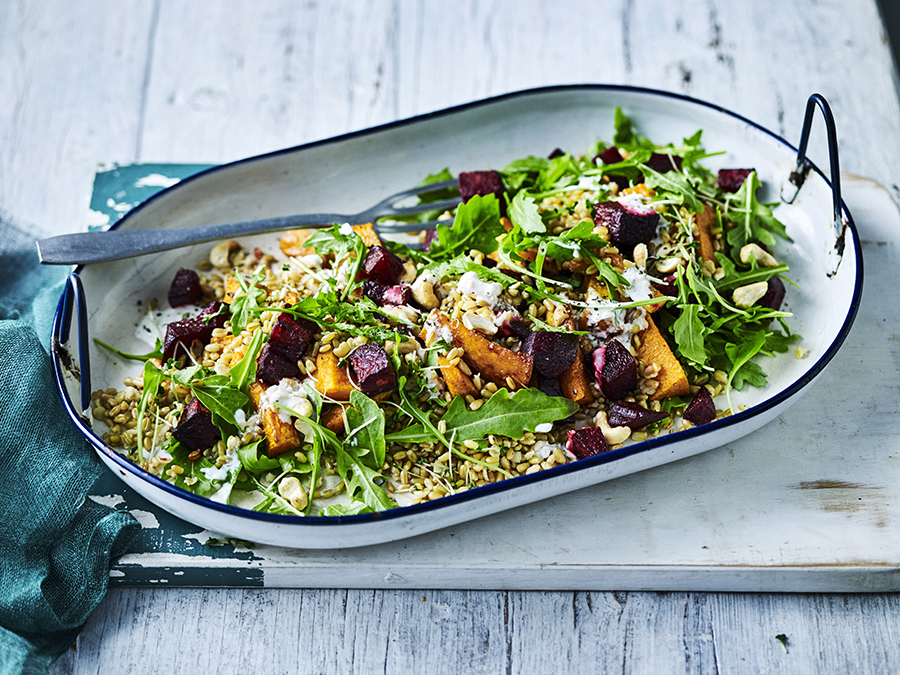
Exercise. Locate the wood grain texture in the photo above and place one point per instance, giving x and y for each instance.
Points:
(356, 631)
(164, 80)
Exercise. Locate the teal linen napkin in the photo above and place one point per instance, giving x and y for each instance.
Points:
(56, 546)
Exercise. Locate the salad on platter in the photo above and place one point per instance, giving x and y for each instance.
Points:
(571, 304)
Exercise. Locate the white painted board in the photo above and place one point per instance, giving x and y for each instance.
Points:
(808, 503)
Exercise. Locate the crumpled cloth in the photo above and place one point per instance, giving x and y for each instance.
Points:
(56, 545)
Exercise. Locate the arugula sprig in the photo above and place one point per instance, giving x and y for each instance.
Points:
(348, 248)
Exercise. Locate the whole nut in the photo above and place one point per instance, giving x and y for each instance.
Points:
(762, 256)
(746, 296)
(218, 256)
(476, 322)
(423, 291)
(290, 488)
(613, 435)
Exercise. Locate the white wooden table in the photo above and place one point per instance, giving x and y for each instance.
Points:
(95, 81)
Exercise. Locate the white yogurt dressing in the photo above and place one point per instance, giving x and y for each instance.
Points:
(290, 393)
(487, 291)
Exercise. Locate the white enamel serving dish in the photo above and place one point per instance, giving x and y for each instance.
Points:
(350, 172)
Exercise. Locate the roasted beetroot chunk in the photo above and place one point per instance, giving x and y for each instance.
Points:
(610, 156)
(185, 288)
(400, 294)
(382, 266)
(291, 336)
(213, 315)
(586, 442)
(372, 369)
(287, 344)
(624, 414)
(666, 285)
(514, 327)
(272, 366)
(430, 236)
(626, 228)
(701, 409)
(554, 353)
(180, 335)
(662, 163)
(730, 180)
(774, 296)
(557, 152)
(615, 370)
(482, 183)
(548, 385)
(195, 428)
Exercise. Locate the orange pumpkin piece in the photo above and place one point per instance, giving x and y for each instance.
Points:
(292, 242)
(573, 382)
(281, 436)
(233, 288)
(332, 381)
(654, 350)
(493, 361)
(333, 418)
(705, 221)
(367, 233)
(458, 383)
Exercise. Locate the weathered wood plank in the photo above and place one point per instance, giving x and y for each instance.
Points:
(71, 85)
(227, 80)
(338, 631)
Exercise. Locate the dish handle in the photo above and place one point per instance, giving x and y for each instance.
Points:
(73, 301)
(799, 174)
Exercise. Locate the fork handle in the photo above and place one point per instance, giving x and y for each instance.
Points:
(92, 247)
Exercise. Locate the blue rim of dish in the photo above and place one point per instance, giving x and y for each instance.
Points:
(509, 483)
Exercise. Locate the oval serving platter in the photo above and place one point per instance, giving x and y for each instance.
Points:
(349, 172)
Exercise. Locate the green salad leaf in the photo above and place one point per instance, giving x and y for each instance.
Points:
(476, 226)
(503, 415)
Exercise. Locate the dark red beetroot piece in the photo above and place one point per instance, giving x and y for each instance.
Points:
(554, 353)
(610, 156)
(213, 315)
(272, 366)
(287, 344)
(615, 370)
(185, 288)
(624, 414)
(730, 180)
(548, 385)
(626, 228)
(372, 370)
(430, 236)
(557, 152)
(291, 336)
(701, 409)
(382, 266)
(774, 296)
(374, 291)
(181, 334)
(482, 183)
(661, 163)
(666, 285)
(586, 442)
(400, 294)
(514, 327)
(195, 428)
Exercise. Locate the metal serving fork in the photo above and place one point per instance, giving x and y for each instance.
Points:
(92, 247)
